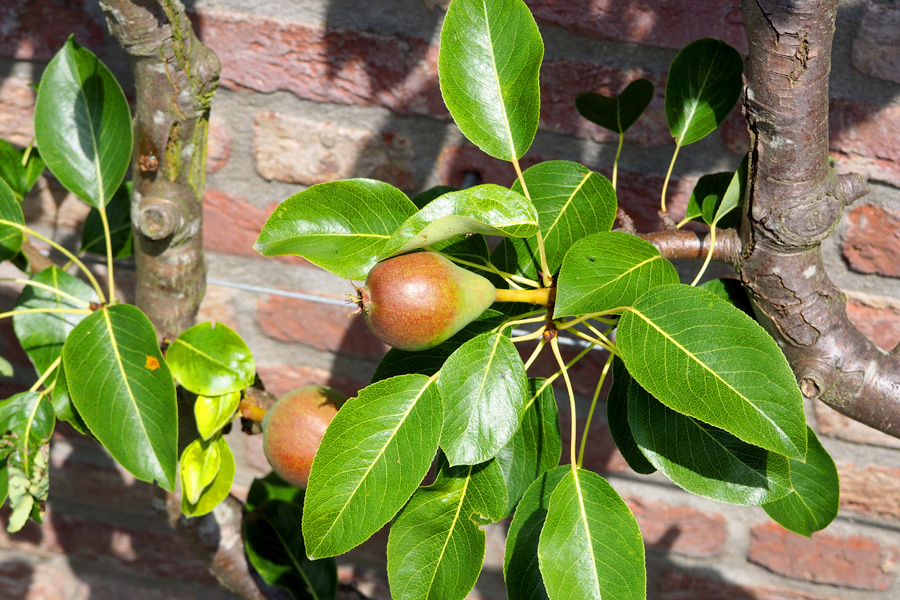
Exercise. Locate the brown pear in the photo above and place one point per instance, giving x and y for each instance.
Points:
(416, 301)
(293, 429)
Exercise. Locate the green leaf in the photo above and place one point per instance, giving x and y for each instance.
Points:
(28, 491)
(6, 369)
(535, 448)
(435, 547)
(813, 500)
(429, 361)
(719, 211)
(488, 209)
(218, 489)
(34, 168)
(484, 389)
(520, 563)
(11, 237)
(622, 388)
(12, 171)
(121, 386)
(82, 124)
(702, 357)
(214, 413)
(42, 335)
(703, 86)
(199, 467)
(118, 213)
(590, 545)
(373, 455)
(62, 402)
(711, 185)
(4, 482)
(273, 487)
(273, 541)
(211, 359)
(489, 64)
(609, 270)
(423, 198)
(341, 226)
(703, 459)
(616, 113)
(732, 291)
(572, 202)
(26, 424)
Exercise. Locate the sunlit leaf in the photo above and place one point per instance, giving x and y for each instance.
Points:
(211, 359)
(214, 413)
(216, 490)
(11, 237)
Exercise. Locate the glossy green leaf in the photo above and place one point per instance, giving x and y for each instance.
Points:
(273, 541)
(435, 547)
(218, 489)
(732, 291)
(616, 113)
(572, 202)
(703, 459)
(82, 124)
(199, 466)
(617, 418)
(28, 491)
(34, 168)
(520, 563)
(214, 413)
(423, 198)
(12, 171)
(590, 545)
(273, 487)
(535, 448)
(703, 86)
(42, 335)
(489, 66)
(122, 388)
(721, 210)
(487, 209)
(62, 402)
(484, 389)
(429, 361)
(11, 237)
(813, 500)
(609, 270)
(341, 226)
(373, 456)
(702, 357)
(211, 359)
(118, 213)
(711, 185)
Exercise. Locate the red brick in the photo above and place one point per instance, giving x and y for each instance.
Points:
(872, 242)
(666, 23)
(855, 561)
(876, 45)
(338, 66)
(281, 379)
(870, 490)
(878, 318)
(864, 140)
(679, 529)
(833, 424)
(563, 80)
(36, 29)
(16, 110)
(218, 149)
(49, 203)
(678, 585)
(309, 151)
(639, 196)
(322, 326)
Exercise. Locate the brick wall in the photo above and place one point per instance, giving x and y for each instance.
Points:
(314, 90)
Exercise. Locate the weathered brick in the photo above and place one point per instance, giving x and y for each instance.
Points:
(832, 423)
(16, 110)
(864, 140)
(218, 148)
(679, 585)
(563, 80)
(666, 23)
(872, 243)
(639, 196)
(456, 163)
(231, 225)
(854, 561)
(877, 317)
(871, 490)
(49, 203)
(322, 326)
(280, 379)
(309, 151)
(876, 44)
(679, 529)
(217, 306)
(36, 29)
(336, 65)
(28, 578)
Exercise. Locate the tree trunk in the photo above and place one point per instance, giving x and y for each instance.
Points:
(795, 200)
(175, 77)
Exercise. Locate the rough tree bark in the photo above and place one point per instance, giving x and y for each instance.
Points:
(175, 77)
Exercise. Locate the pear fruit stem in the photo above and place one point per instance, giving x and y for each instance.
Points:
(540, 296)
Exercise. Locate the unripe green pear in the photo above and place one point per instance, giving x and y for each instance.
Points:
(416, 301)
(293, 429)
